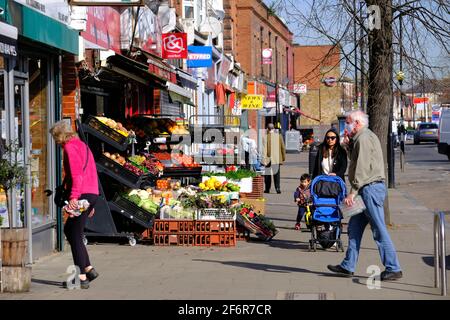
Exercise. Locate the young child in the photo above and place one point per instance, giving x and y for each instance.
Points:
(302, 196)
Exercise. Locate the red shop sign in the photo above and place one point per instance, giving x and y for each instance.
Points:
(174, 46)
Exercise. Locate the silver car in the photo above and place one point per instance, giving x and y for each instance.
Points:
(427, 131)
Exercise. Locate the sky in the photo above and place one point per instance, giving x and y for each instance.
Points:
(306, 36)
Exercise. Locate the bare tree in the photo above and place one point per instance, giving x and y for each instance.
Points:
(424, 24)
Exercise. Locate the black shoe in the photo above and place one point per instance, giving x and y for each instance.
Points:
(92, 274)
(84, 284)
(339, 270)
(390, 275)
(278, 191)
(266, 191)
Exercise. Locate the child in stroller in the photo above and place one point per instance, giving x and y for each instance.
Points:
(327, 194)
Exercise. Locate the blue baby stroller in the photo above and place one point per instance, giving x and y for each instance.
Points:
(327, 193)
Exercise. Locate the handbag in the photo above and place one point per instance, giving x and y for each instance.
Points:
(62, 193)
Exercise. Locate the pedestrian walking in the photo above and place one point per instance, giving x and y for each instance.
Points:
(274, 154)
(367, 178)
(331, 158)
(302, 197)
(80, 177)
(250, 152)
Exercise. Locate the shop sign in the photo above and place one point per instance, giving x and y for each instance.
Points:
(8, 40)
(174, 46)
(252, 101)
(421, 100)
(267, 56)
(300, 88)
(56, 9)
(199, 57)
(236, 110)
(102, 28)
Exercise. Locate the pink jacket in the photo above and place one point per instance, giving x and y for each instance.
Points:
(80, 182)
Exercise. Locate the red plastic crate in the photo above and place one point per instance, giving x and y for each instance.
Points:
(215, 226)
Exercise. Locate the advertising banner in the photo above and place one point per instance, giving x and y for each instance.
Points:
(102, 28)
(199, 57)
(174, 46)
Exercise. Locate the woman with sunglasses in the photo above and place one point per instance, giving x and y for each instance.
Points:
(331, 158)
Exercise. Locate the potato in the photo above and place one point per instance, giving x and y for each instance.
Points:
(107, 154)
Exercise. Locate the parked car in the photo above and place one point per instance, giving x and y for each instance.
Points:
(410, 135)
(426, 131)
(444, 133)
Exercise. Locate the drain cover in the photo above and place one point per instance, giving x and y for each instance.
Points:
(305, 296)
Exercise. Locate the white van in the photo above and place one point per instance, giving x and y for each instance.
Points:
(444, 132)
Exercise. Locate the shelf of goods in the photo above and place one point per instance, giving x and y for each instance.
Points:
(178, 166)
(100, 130)
(257, 224)
(121, 174)
(132, 211)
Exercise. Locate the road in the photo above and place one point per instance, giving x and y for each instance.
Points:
(426, 176)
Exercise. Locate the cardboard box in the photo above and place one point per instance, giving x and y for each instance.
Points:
(258, 204)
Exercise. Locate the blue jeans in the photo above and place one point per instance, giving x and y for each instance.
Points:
(373, 196)
(300, 213)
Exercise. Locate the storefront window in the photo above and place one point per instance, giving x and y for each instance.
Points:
(18, 141)
(38, 105)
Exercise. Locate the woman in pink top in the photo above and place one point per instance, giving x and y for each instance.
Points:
(81, 178)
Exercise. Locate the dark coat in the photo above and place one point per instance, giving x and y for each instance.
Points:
(339, 164)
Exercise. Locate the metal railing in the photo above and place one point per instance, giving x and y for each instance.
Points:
(440, 275)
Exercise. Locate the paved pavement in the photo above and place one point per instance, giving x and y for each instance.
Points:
(280, 269)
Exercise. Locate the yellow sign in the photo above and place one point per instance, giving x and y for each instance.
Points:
(252, 101)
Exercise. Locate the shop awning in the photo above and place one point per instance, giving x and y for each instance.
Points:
(134, 70)
(179, 94)
(187, 80)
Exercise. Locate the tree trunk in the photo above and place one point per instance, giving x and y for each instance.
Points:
(379, 104)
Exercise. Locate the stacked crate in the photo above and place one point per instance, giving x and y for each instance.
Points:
(201, 233)
(257, 189)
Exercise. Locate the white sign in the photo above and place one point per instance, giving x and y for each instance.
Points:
(300, 88)
(267, 56)
(56, 9)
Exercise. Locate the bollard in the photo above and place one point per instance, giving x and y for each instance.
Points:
(440, 278)
(313, 149)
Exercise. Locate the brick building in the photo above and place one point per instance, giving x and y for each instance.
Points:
(249, 28)
(313, 66)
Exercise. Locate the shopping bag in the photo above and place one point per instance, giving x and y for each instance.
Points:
(357, 207)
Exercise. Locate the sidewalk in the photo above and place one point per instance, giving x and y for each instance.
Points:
(280, 269)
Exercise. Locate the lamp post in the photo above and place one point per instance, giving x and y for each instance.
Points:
(400, 77)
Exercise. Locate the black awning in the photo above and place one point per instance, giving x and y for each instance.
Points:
(134, 70)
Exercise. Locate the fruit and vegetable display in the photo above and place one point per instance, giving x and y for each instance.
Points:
(149, 164)
(258, 224)
(114, 125)
(148, 126)
(214, 185)
(142, 199)
(176, 159)
(234, 175)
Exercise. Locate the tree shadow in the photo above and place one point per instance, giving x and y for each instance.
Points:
(263, 267)
(287, 244)
(429, 261)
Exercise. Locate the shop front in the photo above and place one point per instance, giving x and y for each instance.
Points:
(30, 103)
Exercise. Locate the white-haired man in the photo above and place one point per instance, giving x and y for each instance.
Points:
(366, 176)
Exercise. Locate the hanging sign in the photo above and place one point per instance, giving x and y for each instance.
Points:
(174, 46)
(300, 88)
(199, 57)
(267, 56)
(252, 101)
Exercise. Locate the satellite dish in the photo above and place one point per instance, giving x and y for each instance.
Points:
(212, 25)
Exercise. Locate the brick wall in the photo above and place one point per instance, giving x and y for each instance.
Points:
(312, 64)
(70, 88)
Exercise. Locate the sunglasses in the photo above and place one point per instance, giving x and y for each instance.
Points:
(331, 138)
